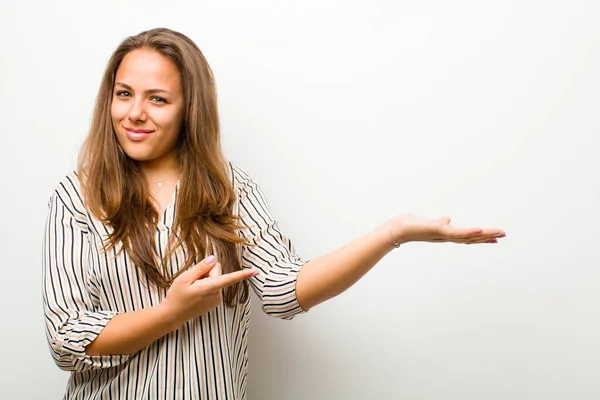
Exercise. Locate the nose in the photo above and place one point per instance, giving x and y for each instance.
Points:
(137, 111)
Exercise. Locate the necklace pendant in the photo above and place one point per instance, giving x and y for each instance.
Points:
(159, 184)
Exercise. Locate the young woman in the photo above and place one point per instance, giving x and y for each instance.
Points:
(151, 247)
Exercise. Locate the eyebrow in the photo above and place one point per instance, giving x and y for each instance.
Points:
(149, 91)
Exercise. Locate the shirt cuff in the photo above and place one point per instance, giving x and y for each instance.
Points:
(77, 333)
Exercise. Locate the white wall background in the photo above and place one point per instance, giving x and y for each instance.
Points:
(349, 112)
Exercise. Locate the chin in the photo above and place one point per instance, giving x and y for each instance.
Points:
(138, 154)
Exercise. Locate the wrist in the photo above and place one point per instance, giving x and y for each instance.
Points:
(168, 316)
(396, 237)
(389, 236)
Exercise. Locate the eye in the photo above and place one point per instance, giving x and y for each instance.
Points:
(123, 93)
(157, 99)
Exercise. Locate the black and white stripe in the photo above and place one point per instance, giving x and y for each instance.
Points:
(84, 287)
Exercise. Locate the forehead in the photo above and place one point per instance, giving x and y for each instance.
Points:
(147, 69)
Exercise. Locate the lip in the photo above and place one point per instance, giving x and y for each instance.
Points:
(137, 135)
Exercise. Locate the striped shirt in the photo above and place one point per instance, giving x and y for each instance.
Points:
(84, 287)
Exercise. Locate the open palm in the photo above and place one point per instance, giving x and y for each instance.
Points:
(410, 228)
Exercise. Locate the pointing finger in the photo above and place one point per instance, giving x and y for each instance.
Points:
(234, 277)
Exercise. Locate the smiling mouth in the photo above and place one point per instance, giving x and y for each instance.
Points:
(138, 130)
(137, 135)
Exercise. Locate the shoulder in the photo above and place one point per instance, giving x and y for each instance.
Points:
(68, 194)
(243, 182)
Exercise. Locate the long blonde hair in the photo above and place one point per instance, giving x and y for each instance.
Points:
(116, 192)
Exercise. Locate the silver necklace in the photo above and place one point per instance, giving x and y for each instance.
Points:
(162, 181)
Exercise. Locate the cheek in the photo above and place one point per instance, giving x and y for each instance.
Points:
(169, 120)
(118, 111)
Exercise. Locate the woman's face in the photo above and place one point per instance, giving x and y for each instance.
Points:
(147, 106)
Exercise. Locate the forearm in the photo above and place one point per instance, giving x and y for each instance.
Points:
(130, 332)
(331, 274)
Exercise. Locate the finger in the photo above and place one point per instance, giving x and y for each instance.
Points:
(199, 270)
(493, 232)
(485, 239)
(215, 271)
(444, 220)
(234, 277)
(489, 235)
(452, 233)
(483, 242)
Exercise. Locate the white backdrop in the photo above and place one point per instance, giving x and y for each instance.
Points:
(347, 113)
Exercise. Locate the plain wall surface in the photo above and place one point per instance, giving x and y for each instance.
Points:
(348, 113)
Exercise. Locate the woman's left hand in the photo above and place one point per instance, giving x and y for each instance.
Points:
(406, 228)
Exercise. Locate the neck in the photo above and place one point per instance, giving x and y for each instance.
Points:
(160, 170)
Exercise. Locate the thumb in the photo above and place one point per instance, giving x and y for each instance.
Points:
(444, 220)
(202, 268)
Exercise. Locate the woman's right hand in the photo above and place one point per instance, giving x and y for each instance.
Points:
(193, 293)
(199, 290)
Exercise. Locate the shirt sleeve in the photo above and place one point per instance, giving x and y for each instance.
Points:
(269, 250)
(72, 321)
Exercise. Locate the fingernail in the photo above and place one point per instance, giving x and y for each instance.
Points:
(255, 272)
(209, 259)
